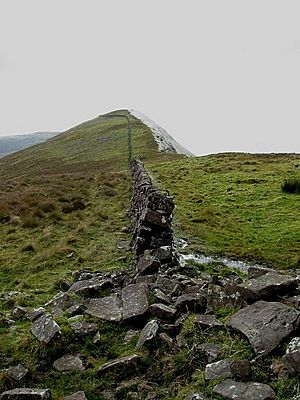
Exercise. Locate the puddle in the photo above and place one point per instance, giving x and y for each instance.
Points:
(203, 259)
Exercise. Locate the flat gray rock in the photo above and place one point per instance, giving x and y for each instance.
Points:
(76, 396)
(26, 394)
(162, 311)
(148, 264)
(232, 390)
(135, 301)
(35, 313)
(291, 359)
(68, 363)
(207, 321)
(122, 365)
(83, 328)
(267, 286)
(217, 298)
(265, 324)
(195, 302)
(18, 372)
(60, 300)
(45, 329)
(90, 287)
(148, 333)
(219, 369)
(107, 308)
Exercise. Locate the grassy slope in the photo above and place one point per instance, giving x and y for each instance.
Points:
(63, 204)
(232, 205)
(62, 208)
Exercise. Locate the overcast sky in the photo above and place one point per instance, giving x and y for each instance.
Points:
(218, 75)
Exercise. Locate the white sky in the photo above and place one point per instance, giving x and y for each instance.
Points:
(218, 75)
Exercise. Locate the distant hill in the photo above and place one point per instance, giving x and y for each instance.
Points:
(11, 144)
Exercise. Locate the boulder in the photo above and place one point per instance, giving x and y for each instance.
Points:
(148, 333)
(148, 264)
(265, 324)
(107, 308)
(135, 301)
(255, 271)
(83, 328)
(18, 372)
(228, 368)
(68, 363)
(76, 309)
(267, 286)
(207, 321)
(45, 329)
(91, 287)
(194, 302)
(232, 390)
(60, 300)
(291, 359)
(26, 394)
(35, 313)
(217, 298)
(166, 284)
(162, 311)
(219, 369)
(122, 366)
(76, 396)
(161, 297)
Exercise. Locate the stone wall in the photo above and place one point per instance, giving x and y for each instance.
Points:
(151, 215)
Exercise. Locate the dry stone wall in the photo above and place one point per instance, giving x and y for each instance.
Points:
(151, 217)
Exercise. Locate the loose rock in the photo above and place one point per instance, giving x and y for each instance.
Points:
(76, 396)
(207, 321)
(291, 359)
(194, 302)
(162, 311)
(18, 372)
(27, 394)
(232, 390)
(90, 287)
(45, 329)
(83, 328)
(68, 363)
(265, 324)
(135, 301)
(148, 333)
(107, 308)
(267, 286)
(121, 366)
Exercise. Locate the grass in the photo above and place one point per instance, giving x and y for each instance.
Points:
(63, 205)
(232, 205)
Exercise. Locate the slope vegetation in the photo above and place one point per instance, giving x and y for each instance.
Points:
(63, 207)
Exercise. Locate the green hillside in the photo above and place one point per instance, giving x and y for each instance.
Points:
(66, 196)
(232, 205)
